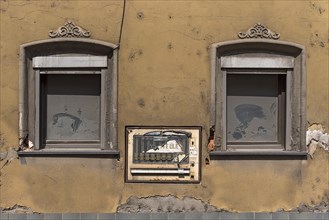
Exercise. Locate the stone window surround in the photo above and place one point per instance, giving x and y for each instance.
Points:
(27, 92)
(297, 107)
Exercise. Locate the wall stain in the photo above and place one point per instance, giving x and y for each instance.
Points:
(317, 8)
(140, 15)
(134, 54)
(17, 209)
(2, 10)
(316, 41)
(141, 103)
(170, 45)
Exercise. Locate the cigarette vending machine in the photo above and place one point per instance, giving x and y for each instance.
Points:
(163, 154)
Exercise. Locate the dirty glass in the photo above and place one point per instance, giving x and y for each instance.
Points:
(253, 108)
(72, 112)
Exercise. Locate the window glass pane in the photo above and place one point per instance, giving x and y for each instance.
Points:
(72, 112)
(252, 108)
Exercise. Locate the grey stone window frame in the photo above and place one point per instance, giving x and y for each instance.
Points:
(88, 54)
(250, 56)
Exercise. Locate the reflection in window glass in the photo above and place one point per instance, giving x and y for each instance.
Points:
(72, 111)
(253, 108)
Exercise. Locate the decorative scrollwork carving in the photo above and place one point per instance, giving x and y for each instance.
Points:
(69, 29)
(259, 31)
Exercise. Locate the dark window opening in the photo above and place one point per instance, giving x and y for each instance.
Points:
(255, 107)
(71, 109)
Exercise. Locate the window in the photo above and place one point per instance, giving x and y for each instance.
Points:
(69, 95)
(70, 100)
(258, 96)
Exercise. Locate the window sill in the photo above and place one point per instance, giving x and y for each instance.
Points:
(258, 155)
(71, 153)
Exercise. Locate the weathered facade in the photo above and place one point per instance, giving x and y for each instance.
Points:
(164, 62)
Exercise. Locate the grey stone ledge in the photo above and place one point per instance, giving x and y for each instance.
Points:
(258, 155)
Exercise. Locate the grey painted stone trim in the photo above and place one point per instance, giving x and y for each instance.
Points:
(257, 62)
(69, 29)
(69, 61)
(259, 31)
(27, 120)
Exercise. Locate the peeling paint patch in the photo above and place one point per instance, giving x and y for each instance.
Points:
(198, 52)
(316, 136)
(168, 203)
(17, 209)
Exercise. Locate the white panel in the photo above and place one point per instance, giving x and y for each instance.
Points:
(69, 61)
(160, 171)
(256, 62)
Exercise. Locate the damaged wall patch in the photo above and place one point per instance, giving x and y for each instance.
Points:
(168, 203)
(316, 136)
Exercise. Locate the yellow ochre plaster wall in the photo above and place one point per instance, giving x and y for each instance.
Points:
(163, 79)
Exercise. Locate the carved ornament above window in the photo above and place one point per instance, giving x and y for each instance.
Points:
(259, 31)
(69, 29)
